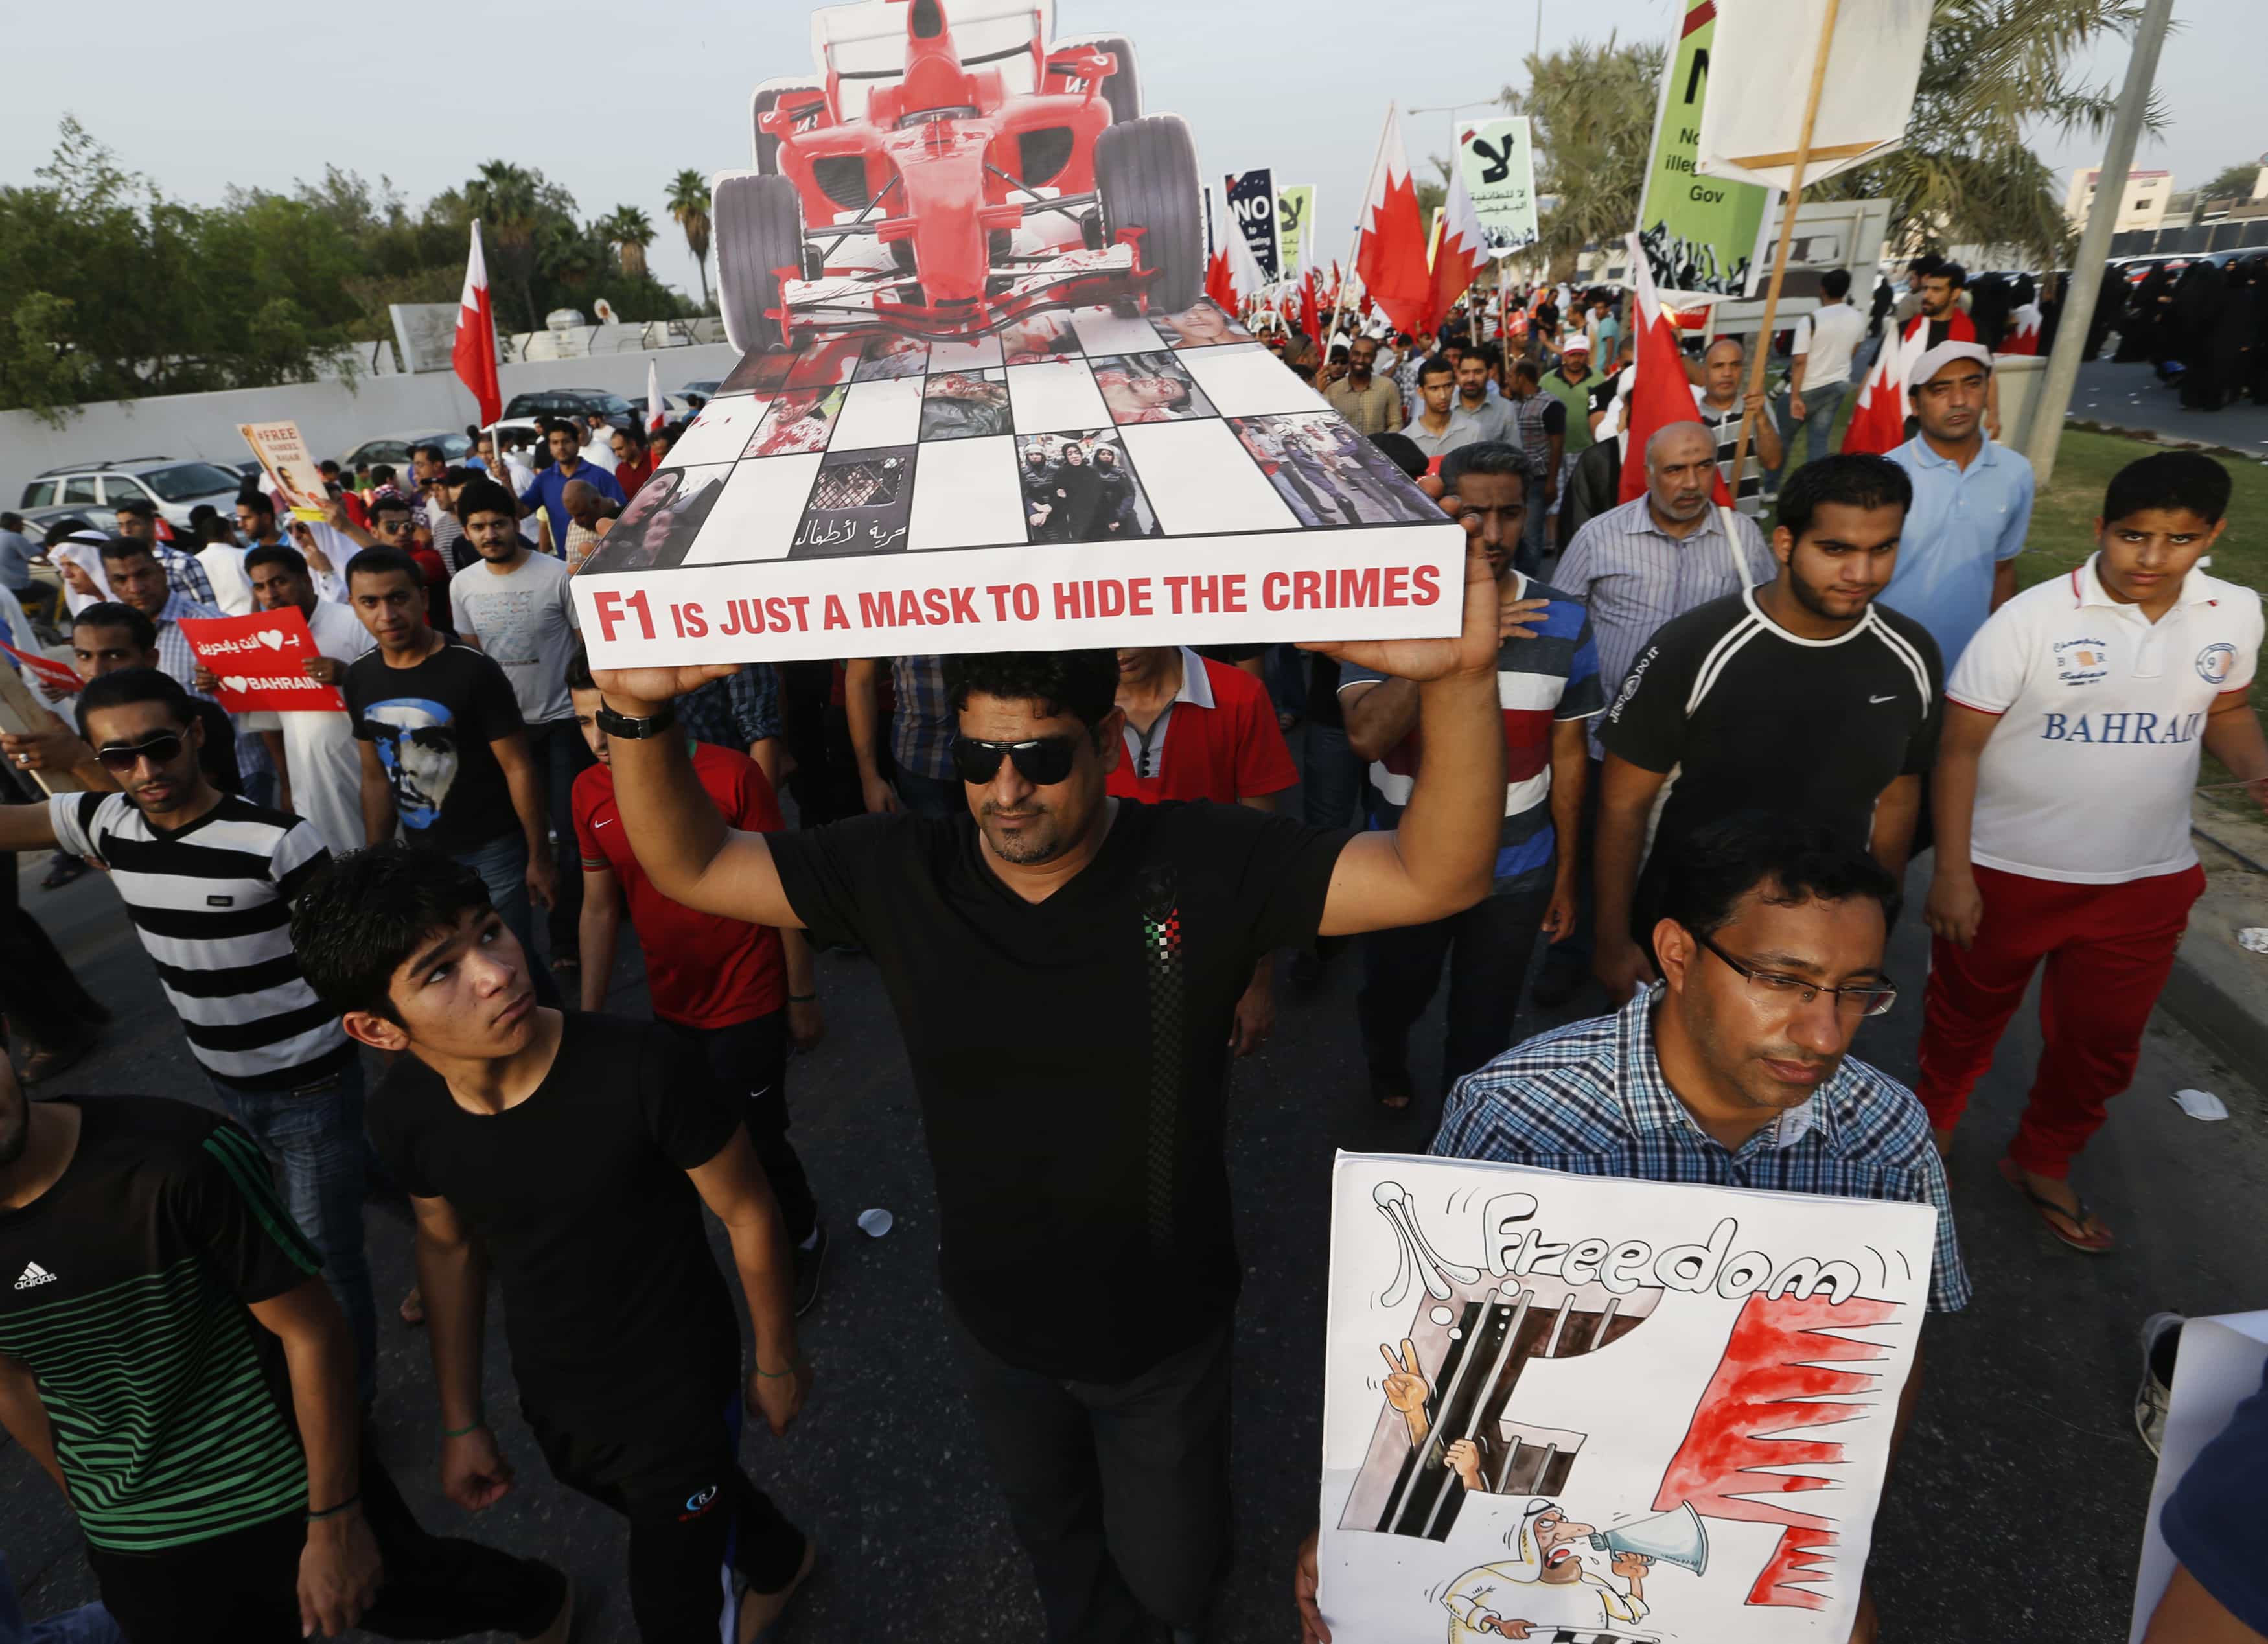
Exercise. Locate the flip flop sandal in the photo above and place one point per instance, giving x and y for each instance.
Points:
(2049, 1211)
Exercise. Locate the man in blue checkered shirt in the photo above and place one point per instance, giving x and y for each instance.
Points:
(1733, 1069)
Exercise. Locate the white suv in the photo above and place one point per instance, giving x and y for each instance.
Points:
(172, 487)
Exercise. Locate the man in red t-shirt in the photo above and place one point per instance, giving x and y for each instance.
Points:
(737, 992)
(1197, 729)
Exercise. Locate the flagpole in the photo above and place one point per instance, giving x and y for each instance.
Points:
(1354, 250)
(1788, 205)
(496, 441)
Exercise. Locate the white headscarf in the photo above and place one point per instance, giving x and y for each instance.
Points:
(82, 549)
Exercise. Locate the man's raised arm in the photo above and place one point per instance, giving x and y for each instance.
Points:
(1438, 861)
(683, 844)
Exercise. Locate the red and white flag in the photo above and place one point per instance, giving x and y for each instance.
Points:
(1462, 251)
(1879, 422)
(2023, 335)
(1391, 254)
(1232, 276)
(656, 412)
(474, 355)
(1660, 393)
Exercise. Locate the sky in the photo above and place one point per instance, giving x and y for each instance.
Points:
(631, 93)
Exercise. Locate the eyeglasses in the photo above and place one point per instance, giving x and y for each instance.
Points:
(1043, 761)
(161, 750)
(1858, 1000)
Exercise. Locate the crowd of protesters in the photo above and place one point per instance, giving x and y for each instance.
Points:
(1683, 753)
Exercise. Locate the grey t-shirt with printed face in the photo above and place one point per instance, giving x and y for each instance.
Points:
(525, 621)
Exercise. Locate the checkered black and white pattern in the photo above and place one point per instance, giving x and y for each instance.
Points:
(873, 443)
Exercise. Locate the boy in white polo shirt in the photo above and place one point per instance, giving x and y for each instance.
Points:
(2073, 725)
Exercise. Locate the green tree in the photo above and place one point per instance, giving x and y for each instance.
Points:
(689, 204)
(508, 201)
(1591, 106)
(2234, 182)
(630, 230)
(1965, 175)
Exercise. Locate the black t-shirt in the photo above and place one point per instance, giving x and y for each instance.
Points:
(432, 725)
(613, 1302)
(1745, 716)
(123, 1289)
(1069, 1058)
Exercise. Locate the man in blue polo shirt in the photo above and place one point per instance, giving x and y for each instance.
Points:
(548, 493)
(1972, 503)
(1548, 684)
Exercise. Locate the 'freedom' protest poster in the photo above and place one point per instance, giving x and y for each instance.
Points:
(291, 472)
(1082, 477)
(1499, 168)
(260, 661)
(1703, 235)
(1619, 1411)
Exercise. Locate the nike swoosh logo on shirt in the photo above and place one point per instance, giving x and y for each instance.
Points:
(1893, 697)
(604, 822)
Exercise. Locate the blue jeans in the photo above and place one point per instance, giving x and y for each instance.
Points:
(1487, 947)
(315, 1134)
(561, 755)
(1330, 786)
(930, 796)
(502, 865)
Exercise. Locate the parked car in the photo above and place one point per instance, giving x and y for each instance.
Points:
(173, 487)
(577, 404)
(699, 393)
(396, 449)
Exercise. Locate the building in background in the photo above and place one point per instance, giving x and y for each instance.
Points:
(2144, 206)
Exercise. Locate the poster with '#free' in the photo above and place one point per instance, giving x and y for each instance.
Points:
(260, 662)
(291, 472)
(1617, 1412)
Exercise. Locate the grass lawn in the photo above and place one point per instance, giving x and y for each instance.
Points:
(2063, 532)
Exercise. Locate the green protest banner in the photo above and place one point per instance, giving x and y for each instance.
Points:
(1700, 234)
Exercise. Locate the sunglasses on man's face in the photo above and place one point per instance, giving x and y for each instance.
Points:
(1043, 761)
(161, 750)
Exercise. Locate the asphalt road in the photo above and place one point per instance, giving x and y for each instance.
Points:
(2014, 1513)
(2131, 396)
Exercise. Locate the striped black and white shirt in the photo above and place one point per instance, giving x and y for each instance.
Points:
(1742, 715)
(212, 903)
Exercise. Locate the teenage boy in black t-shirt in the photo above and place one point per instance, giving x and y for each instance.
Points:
(575, 1152)
(445, 751)
(170, 1357)
(1801, 696)
(1065, 969)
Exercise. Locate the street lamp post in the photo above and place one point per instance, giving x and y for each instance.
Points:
(2095, 240)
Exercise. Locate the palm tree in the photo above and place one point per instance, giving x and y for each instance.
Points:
(505, 198)
(630, 230)
(1966, 176)
(689, 204)
(1593, 109)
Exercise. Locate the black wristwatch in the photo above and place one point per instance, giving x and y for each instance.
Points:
(637, 729)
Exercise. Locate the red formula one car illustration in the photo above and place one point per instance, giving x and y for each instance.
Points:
(950, 170)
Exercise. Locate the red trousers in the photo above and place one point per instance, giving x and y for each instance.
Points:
(2109, 950)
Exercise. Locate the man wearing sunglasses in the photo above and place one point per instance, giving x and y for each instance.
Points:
(1733, 1070)
(1065, 967)
(209, 879)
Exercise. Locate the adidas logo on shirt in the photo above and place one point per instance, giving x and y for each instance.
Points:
(34, 1274)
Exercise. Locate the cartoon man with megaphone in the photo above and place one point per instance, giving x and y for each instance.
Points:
(1545, 1585)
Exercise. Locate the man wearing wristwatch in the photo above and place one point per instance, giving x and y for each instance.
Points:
(574, 1153)
(1065, 967)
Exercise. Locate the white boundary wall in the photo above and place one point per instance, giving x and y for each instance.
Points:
(334, 418)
